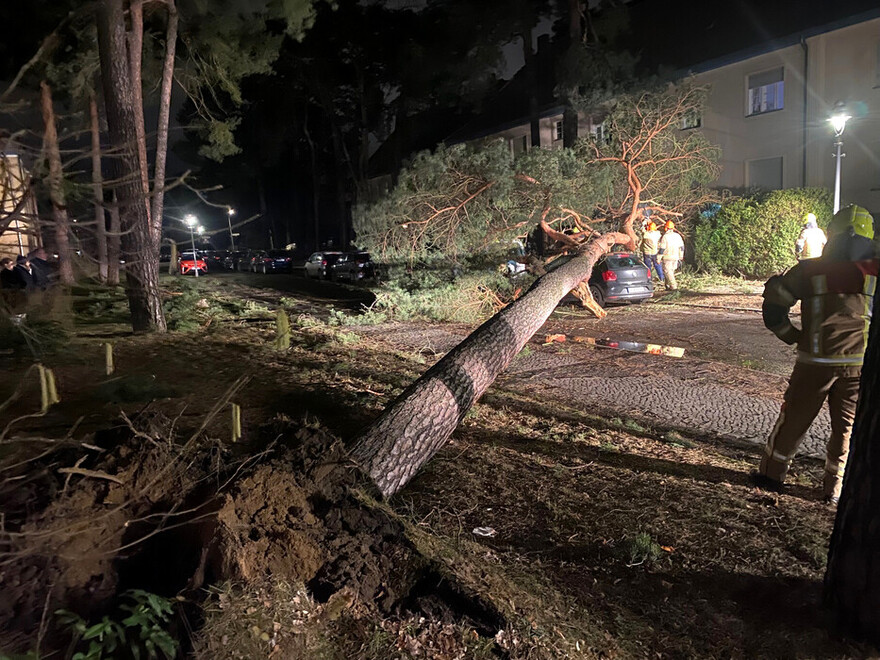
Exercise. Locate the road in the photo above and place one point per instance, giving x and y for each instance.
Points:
(728, 385)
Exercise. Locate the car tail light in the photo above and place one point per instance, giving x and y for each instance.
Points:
(324, 262)
(609, 276)
(286, 258)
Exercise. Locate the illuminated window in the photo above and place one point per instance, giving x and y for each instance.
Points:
(766, 92)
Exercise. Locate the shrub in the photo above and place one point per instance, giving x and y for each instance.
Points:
(755, 236)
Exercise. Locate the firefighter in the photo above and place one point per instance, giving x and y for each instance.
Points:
(671, 249)
(650, 241)
(811, 241)
(836, 293)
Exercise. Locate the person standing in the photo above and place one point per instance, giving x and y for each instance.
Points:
(650, 242)
(40, 268)
(8, 277)
(836, 292)
(24, 273)
(671, 249)
(811, 241)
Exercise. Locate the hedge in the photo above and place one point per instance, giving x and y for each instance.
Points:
(755, 236)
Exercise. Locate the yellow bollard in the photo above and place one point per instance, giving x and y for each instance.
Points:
(282, 330)
(236, 422)
(109, 367)
(48, 391)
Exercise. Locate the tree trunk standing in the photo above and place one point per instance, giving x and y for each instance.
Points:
(135, 40)
(56, 187)
(98, 190)
(172, 263)
(852, 580)
(164, 118)
(531, 68)
(419, 422)
(575, 37)
(316, 183)
(141, 255)
(113, 240)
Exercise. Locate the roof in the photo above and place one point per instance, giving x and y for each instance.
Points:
(695, 35)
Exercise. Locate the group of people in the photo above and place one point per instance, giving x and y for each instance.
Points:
(664, 253)
(25, 273)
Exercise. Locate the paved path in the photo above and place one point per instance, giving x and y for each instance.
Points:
(691, 394)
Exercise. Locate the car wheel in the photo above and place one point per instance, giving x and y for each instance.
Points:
(598, 295)
(264, 269)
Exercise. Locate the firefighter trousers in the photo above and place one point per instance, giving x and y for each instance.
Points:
(669, 268)
(808, 388)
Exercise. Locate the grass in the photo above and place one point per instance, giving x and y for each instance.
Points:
(699, 282)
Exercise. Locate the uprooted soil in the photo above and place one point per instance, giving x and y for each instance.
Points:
(601, 537)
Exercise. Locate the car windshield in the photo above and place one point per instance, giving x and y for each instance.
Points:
(332, 258)
(623, 262)
(278, 253)
(360, 258)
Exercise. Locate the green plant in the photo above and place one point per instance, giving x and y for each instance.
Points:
(141, 634)
(755, 236)
(642, 548)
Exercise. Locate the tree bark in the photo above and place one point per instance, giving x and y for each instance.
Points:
(316, 185)
(113, 244)
(56, 186)
(141, 254)
(531, 68)
(416, 425)
(98, 190)
(135, 40)
(162, 128)
(852, 579)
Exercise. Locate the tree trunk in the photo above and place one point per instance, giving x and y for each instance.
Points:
(56, 187)
(172, 263)
(852, 580)
(416, 425)
(98, 190)
(162, 128)
(141, 254)
(316, 184)
(135, 40)
(113, 241)
(531, 68)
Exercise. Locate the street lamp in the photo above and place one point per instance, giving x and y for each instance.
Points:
(192, 223)
(229, 213)
(838, 123)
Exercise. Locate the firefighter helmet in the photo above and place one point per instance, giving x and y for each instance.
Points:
(652, 226)
(669, 225)
(810, 220)
(852, 217)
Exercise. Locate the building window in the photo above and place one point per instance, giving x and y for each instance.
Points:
(519, 144)
(691, 120)
(559, 130)
(766, 92)
(598, 131)
(765, 173)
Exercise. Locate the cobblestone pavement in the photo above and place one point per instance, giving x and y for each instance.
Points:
(691, 394)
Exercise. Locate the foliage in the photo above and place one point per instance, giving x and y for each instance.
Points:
(141, 634)
(464, 199)
(755, 236)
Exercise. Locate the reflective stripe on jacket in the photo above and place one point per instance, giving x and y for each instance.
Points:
(836, 304)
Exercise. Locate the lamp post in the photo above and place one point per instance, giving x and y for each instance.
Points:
(229, 213)
(838, 123)
(191, 222)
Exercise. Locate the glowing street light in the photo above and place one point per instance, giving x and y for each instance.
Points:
(838, 123)
(229, 213)
(191, 222)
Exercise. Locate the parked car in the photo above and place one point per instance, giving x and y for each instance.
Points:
(187, 264)
(319, 264)
(353, 266)
(214, 258)
(231, 259)
(272, 261)
(245, 262)
(617, 277)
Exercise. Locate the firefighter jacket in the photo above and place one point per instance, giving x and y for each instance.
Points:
(672, 246)
(836, 302)
(810, 243)
(650, 239)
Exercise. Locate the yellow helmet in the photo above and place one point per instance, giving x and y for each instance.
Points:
(859, 219)
(669, 225)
